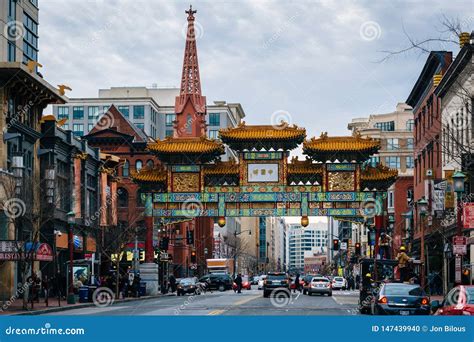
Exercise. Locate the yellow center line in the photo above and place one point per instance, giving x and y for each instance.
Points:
(246, 300)
(215, 312)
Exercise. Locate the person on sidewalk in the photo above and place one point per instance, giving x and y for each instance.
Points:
(45, 286)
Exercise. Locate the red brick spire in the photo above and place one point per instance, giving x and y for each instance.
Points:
(190, 105)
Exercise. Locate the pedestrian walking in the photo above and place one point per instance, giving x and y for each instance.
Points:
(172, 282)
(238, 282)
(45, 286)
(297, 283)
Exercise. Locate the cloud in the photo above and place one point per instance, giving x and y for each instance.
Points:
(306, 57)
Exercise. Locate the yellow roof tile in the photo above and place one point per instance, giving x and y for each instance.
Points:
(186, 145)
(347, 143)
(149, 175)
(262, 132)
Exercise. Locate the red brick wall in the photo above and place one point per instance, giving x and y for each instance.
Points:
(402, 185)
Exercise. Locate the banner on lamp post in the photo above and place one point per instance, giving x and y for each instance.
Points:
(468, 215)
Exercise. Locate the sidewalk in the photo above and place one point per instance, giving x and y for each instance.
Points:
(16, 308)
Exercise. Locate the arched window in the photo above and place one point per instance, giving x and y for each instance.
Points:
(189, 124)
(140, 199)
(149, 163)
(138, 165)
(125, 168)
(122, 200)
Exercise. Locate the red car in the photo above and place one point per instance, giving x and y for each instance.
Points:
(293, 284)
(459, 301)
(245, 284)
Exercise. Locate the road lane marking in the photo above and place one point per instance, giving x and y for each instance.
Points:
(215, 312)
(246, 300)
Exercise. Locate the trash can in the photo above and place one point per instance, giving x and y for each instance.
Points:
(83, 294)
(142, 290)
(92, 288)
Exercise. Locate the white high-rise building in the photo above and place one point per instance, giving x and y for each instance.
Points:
(300, 239)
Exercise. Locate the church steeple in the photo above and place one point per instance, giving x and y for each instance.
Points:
(190, 105)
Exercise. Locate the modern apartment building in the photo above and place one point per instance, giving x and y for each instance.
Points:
(300, 240)
(150, 109)
(395, 130)
(19, 34)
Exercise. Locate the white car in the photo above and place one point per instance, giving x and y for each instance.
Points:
(339, 283)
(260, 282)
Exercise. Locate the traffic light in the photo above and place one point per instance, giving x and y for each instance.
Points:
(335, 244)
(193, 256)
(357, 248)
(190, 237)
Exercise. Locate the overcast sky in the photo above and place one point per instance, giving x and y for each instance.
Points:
(314, 62)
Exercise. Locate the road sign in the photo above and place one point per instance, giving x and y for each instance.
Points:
(193, 266)
(460, 245)
(344, 246)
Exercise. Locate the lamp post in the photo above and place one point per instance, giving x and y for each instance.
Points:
(422, 205)
(71, 219)
(458, 180)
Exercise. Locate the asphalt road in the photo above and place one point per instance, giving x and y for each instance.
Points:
(249, 302)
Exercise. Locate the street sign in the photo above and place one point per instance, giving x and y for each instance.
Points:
(460, 245)
(457, 273)
(344, 246)
(468, 215)
(193, 266)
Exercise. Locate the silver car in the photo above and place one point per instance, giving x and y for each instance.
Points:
(321, 285)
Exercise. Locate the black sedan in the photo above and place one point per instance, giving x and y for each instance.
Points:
(187, 285)
(400, 299)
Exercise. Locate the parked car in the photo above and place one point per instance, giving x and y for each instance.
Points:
(245, 284)
(261, 281)
(400, 299)
(275, 280)
(320, 285)
(187, 285)
(339, 283)
(255, 280)
(459, 301)
(217, 281)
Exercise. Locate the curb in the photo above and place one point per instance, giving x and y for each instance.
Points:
(81, 306)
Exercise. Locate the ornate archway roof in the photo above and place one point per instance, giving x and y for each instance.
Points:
(347, 148)
(377, 177)
(248, 137)
(187, 150)
(154, 175)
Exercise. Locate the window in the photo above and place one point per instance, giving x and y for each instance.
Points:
(63, 112)
(392, 162)
(66, 127)
(169, 118)
(12, 10)
(189, 124)
(90, 127)
(410, 125)
(410, 143)
(138, 165)
(105, 109)
(78, 130)
(30, 39)
(78, 112)
(214, 119)
(140, 199)
(140, 126)
(169, 133)
(392, 144)
(11, 51)
(138, 112)
(374, 160)
(125, 110)
(93, 112)
(410, 163)
(122, 200)
(149, 163)
(125, 168)
(213, 133)
(386, 126)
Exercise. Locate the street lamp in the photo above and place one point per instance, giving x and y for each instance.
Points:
(458, 180)
(71, 220)
(422, 206)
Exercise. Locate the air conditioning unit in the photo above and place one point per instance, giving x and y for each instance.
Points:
(429, 173)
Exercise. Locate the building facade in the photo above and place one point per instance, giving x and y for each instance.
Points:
(312, 238)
